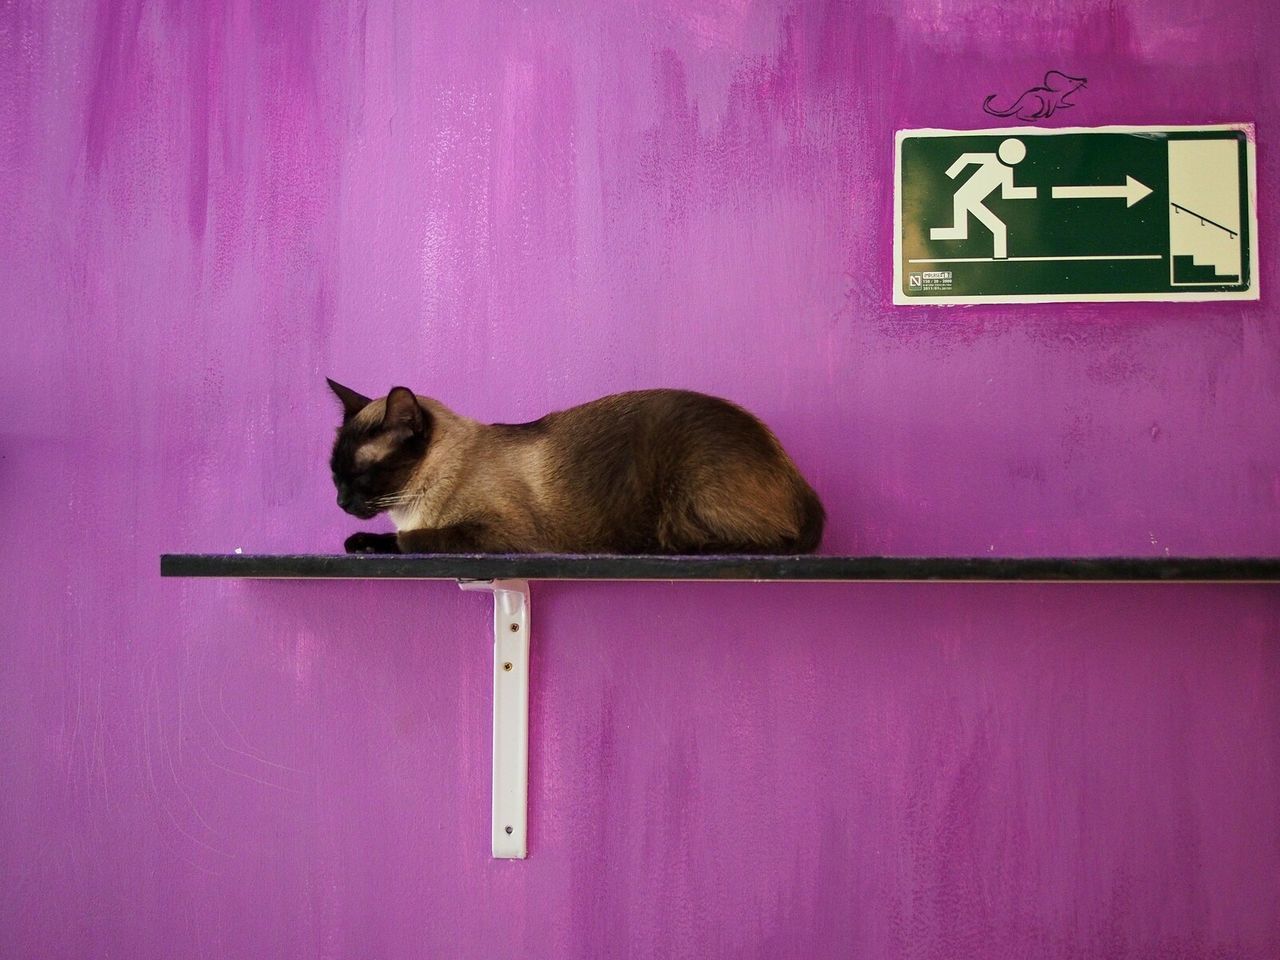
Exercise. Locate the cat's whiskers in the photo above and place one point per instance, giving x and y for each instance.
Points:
(394, 500)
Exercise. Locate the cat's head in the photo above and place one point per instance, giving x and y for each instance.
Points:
(379, 445)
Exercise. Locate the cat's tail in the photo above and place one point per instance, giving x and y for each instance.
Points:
(986, 105)
(812, 520)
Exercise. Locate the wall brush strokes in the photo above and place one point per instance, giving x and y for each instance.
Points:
(209, 206)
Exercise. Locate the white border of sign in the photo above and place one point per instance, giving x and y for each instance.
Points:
(1252, 293)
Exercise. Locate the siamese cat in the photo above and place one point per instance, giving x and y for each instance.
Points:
(652, 471)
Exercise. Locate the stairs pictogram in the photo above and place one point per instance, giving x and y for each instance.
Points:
(1186, 269)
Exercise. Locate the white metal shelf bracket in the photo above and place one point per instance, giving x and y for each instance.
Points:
(510, 714)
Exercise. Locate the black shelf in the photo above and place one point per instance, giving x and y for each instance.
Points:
(528, 566)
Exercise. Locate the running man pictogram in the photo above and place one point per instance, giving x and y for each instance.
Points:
(994, 170)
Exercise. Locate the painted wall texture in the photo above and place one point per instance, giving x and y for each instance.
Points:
(208, 206)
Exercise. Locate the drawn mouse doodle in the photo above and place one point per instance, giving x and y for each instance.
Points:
(1040, 102)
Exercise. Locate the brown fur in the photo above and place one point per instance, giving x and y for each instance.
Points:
(651, 471)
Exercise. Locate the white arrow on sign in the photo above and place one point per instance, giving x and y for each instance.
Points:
(1132, 191)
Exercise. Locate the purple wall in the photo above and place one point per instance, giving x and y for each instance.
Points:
(209, 206)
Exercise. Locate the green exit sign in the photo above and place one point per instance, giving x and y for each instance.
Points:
(1100, 213)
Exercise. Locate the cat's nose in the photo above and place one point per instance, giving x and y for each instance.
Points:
(344, 500)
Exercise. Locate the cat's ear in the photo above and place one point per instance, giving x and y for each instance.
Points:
(403, 411)
(352, 402)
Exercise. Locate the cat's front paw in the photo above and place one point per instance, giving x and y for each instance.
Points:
(372, 543)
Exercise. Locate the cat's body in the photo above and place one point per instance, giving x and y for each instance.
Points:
(652, 471)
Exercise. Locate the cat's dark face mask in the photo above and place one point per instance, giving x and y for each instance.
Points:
(379, 445)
